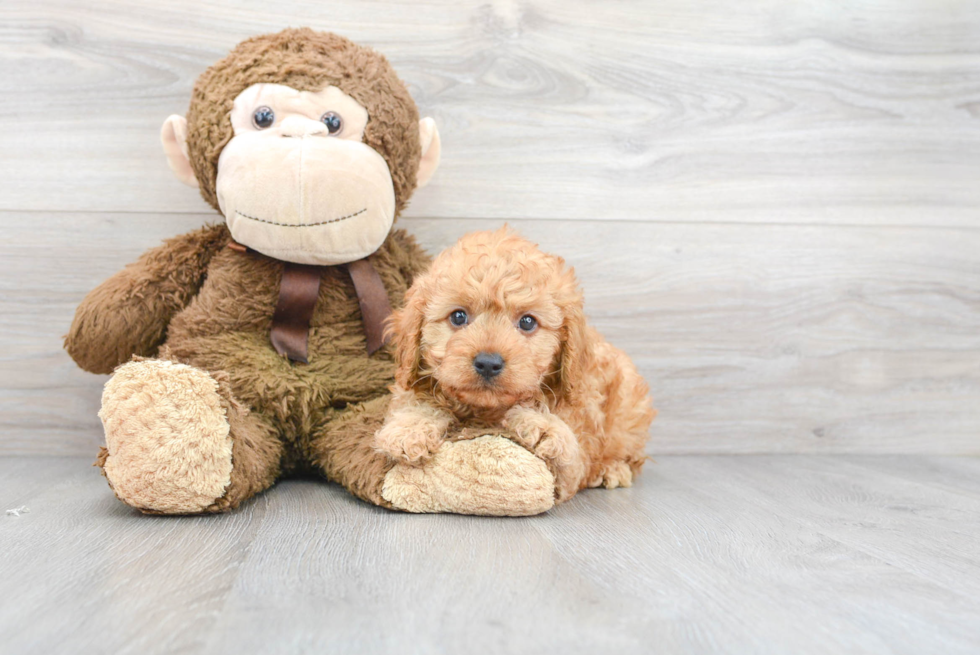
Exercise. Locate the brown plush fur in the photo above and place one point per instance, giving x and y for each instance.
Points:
(306, 61)
(571, 397)
(128, 313)
(284, 418)
(196, 302)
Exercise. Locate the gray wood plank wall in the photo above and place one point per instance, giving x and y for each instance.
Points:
(774, 207)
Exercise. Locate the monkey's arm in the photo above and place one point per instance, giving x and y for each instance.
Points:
(128, 314)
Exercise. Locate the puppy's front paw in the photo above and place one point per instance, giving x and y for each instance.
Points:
(408, 442)
(546, 435)
(550, 438)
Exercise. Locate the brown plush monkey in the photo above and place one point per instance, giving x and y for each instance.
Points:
(250, 350)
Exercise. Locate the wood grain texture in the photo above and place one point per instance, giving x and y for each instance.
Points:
(761, 554)
(773, 206)
(754, 338)
(762, 111)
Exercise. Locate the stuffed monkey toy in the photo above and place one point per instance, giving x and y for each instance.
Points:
(253, 349)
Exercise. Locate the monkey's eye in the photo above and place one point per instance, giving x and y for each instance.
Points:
(333, 122)
(458, 318)
(263, 117)
(527, 323)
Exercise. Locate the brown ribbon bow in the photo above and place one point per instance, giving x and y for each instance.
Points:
(299, 289)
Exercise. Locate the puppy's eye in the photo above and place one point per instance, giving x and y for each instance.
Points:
(527, 323)
(333, 122)
(263, 117)
(458, 318)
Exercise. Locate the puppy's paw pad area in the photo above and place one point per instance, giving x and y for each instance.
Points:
(486, 476)
(408, 445)
(616, 474)
(554, 450)
(167, 438)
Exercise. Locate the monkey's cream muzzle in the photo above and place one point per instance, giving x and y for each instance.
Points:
(293, 190)
(299, 195)
(296, 181)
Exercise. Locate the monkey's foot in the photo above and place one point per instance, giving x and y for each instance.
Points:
(168, 448)
(488, 476)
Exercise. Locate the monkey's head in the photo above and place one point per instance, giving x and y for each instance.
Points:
(308, 143)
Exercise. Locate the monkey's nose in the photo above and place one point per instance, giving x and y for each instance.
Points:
(300, 126)
(488, 365)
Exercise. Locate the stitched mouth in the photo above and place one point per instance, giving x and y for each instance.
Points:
(332, 220)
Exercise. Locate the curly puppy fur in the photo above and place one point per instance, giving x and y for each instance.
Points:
(571, 397)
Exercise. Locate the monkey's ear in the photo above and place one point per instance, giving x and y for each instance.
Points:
(429, 138)
(173, 134)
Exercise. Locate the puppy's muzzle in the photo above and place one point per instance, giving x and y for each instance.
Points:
(488, 365)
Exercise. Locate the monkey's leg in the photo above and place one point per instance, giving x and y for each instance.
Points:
(178, 443)
(490, 475)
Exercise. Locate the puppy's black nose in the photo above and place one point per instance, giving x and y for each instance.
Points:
(489, 365)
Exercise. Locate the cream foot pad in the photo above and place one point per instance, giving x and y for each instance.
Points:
(167, 437)
(489, 476)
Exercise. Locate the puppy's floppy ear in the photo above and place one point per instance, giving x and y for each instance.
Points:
(405, 328)
(576, 354)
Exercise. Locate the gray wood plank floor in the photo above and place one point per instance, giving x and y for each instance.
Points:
(706, 554)
(773, 208)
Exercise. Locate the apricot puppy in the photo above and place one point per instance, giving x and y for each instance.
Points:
(494, 335)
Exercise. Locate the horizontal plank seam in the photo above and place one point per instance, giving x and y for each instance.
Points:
(217, 217)
(858, 466)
